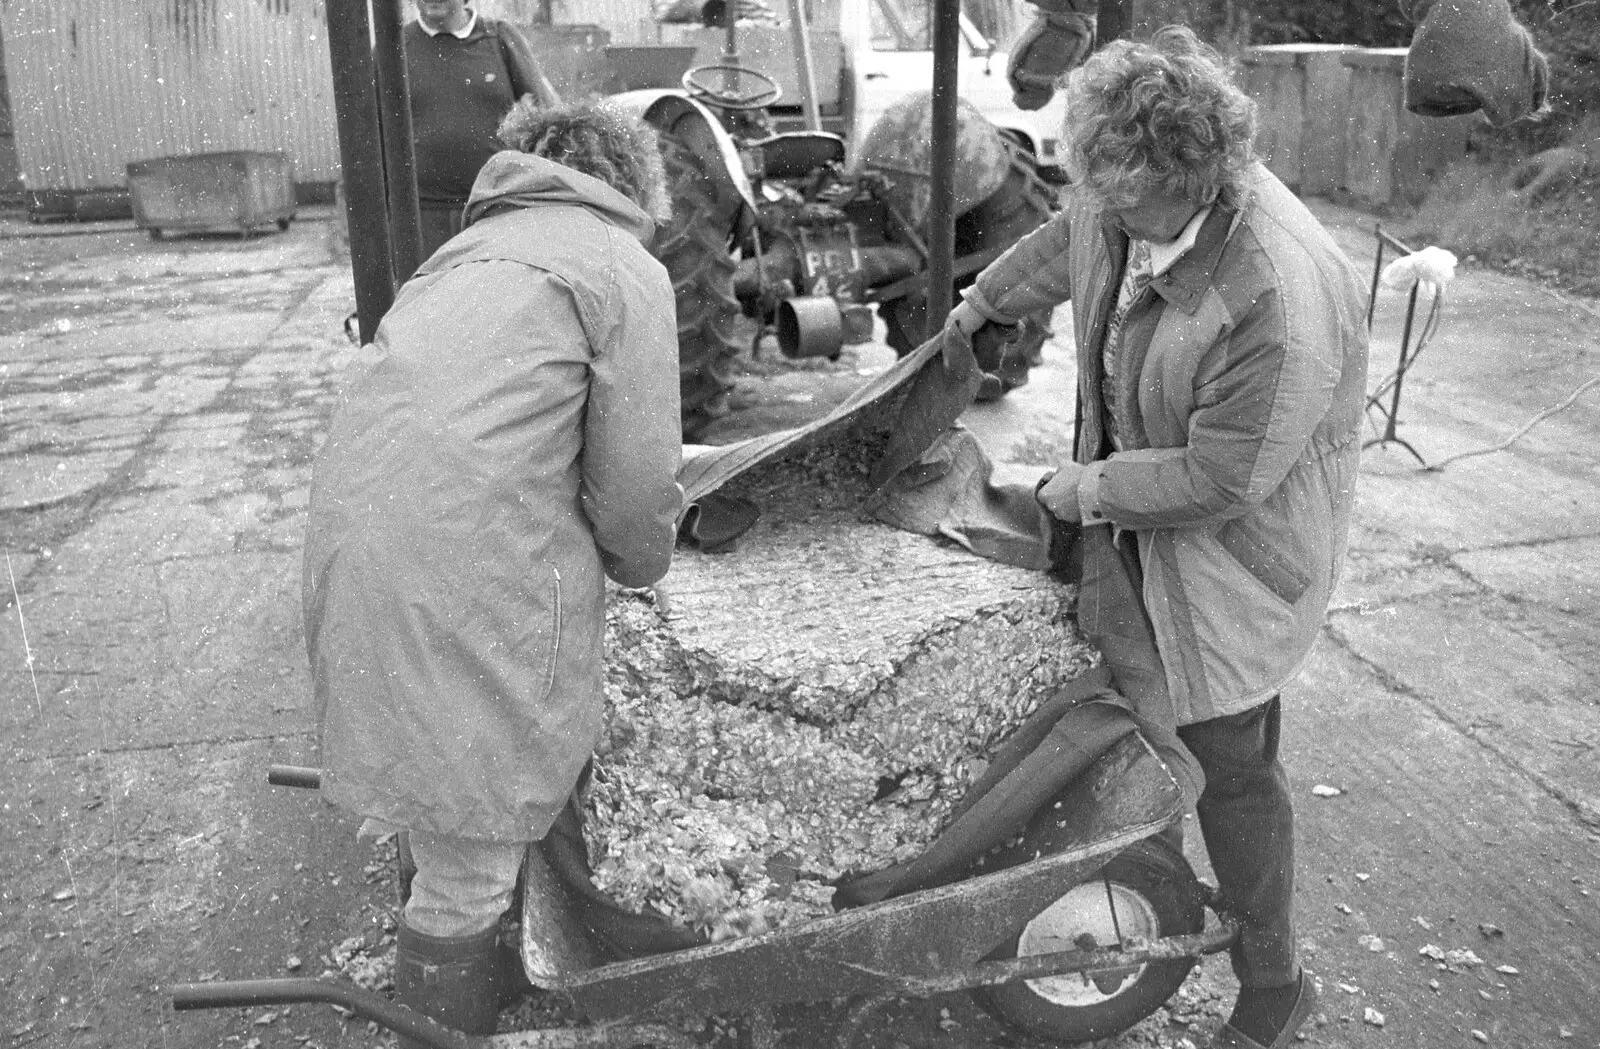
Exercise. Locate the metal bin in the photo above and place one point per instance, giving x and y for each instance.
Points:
(241, 190)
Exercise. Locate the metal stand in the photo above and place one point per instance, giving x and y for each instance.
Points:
(1393, 384)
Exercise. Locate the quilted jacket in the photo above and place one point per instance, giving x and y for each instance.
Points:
(1239, 390)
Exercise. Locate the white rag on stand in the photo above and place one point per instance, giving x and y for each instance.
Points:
(1431, 265)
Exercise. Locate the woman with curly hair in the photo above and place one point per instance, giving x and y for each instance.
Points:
(1222, 354)
(507, 442)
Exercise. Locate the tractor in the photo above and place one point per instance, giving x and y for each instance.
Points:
(806, 234)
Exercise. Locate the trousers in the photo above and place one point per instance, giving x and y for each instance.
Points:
(1247, 819)
(462, 885)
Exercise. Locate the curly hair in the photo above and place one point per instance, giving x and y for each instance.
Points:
(1161, 116)
(598, 140)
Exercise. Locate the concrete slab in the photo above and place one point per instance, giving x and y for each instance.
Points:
(1563, 575)
(1434, 835)
(133, 329)
(1493, 500)
(1476, 663)
(171, 865)
(43, 480)
(161, 652)
(1378, 574)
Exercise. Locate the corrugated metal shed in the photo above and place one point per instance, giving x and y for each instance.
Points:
(95, 84)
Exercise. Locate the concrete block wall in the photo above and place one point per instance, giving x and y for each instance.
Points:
(1392, 156)
(1332, 119)
(1302, 91)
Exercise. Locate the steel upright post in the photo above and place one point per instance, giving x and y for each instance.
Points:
(399, 154)
(361, 160)
(941, 206)
(800, 33)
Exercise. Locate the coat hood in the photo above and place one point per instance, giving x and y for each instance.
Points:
(522, 180)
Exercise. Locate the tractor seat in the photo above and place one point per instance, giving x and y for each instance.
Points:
(792, 154)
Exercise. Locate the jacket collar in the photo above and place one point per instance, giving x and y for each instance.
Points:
(460, 34)
(1186, 282)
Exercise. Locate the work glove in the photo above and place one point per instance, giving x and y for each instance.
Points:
(991, 341)
(1058, 492)
(989, 338)
(1056, 42)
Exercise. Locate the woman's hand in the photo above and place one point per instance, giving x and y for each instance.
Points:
(1058, 493)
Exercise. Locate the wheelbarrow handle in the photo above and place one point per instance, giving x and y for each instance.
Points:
(294, 776)
(224, 994)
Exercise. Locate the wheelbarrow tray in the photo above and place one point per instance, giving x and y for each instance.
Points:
(905, 945)
(924, 943)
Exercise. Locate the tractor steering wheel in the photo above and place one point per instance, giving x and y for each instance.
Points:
(765, 93)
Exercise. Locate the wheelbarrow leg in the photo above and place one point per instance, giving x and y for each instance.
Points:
(365, 1004)
(403, 1021)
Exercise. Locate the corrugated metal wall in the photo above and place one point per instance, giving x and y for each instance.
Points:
(10, 182)
(96, 84)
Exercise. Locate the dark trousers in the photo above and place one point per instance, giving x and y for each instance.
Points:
(1247, 818)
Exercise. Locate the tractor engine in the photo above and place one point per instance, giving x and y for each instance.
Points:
(827, 242)
(820, 246)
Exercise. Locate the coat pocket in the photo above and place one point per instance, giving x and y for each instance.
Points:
(1275, 561)
(501, 627)
(544, 628)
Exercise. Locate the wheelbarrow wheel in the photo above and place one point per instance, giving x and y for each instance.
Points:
(1148, 891)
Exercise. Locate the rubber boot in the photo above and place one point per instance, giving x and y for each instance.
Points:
(511, 979)
(452, 979)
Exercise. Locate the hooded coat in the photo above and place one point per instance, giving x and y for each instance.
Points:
(1239, 389)
(508, 440)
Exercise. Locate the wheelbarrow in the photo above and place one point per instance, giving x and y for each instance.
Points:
(1076, 929)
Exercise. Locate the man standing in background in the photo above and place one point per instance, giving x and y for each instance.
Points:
(465, 73)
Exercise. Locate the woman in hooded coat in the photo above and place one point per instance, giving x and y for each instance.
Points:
(508, 440)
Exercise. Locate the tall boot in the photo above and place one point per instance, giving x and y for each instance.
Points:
(452, 979)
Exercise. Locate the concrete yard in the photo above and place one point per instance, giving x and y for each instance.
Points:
(161, 404)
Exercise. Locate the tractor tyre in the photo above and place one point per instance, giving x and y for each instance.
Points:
(1146, 892)
(694, 247)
